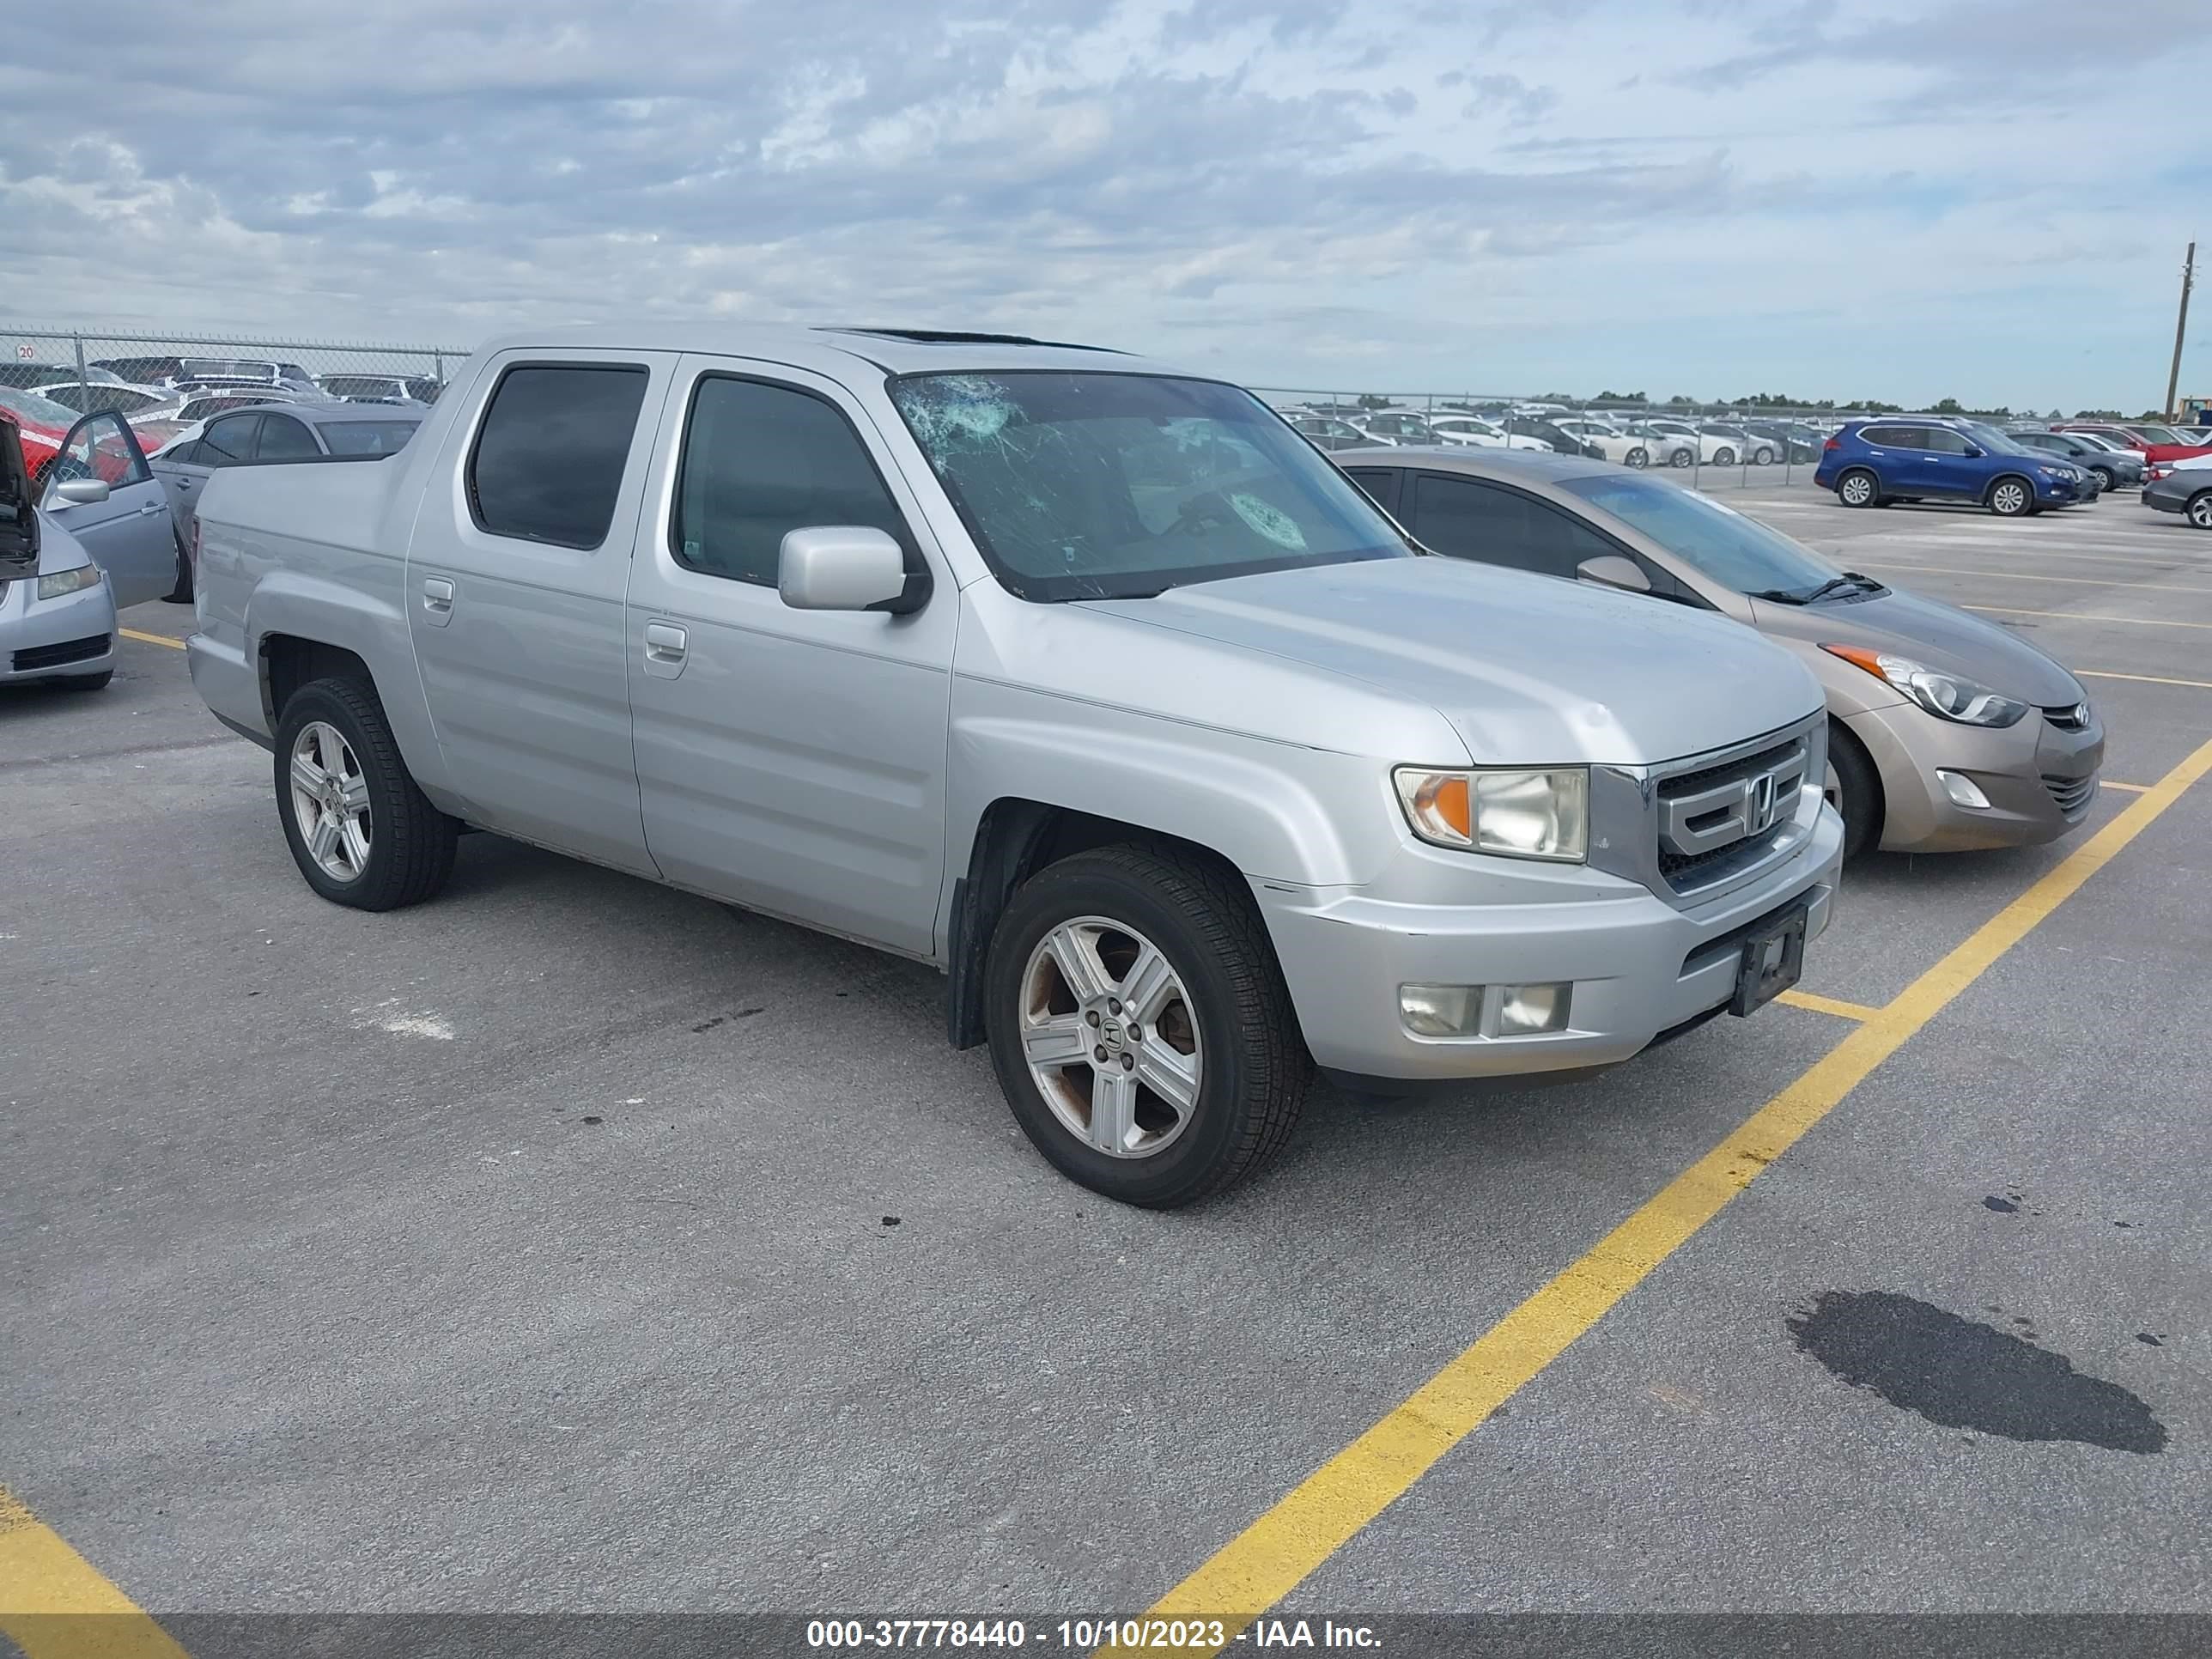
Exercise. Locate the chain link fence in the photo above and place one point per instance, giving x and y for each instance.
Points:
(163, 383)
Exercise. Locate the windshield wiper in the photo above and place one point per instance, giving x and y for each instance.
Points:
(1850, 582)
(1778, 595)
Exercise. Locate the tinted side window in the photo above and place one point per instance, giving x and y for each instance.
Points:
(1890, 437)
(284, 439)
(1471, 521)
(547, 462)
(1942, 440)
(1381, 483)
(760, 460)
(227, 442)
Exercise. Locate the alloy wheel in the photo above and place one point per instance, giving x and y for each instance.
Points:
(1111, 1037)
(329, 800)
(2200, 511)
(2009, 498)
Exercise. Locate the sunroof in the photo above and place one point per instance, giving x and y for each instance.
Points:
(962, 337)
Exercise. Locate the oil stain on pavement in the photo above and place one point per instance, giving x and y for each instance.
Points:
(1965, 1375)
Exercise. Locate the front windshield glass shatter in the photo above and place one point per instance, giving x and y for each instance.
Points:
(1087, 485)
(1736, 551)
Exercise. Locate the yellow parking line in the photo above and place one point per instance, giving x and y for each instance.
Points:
(54, 1604)
(2144, 679)
(1265, 1561)
(2070, 615)
(1820, 1004)
(2023, 576)
(151, 639)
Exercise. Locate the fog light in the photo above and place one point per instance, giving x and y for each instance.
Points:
(1963, 790)
(1441, 1011)
(1523, 1009)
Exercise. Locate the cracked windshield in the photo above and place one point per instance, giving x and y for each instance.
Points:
(1121, 486)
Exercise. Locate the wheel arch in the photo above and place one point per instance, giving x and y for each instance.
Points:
(1015, 838)
(2013, 473)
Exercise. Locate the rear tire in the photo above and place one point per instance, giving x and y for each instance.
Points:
(375, 841)
(2198, 512)
(1859, 488)
(1854, 789)
(2010, 497)
(1227, 1038)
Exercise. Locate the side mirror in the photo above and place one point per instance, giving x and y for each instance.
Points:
(840, 568)
(1612, 570)
(81, 492)
(1973, 452)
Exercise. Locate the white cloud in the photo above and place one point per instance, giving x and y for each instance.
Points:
(1484, 194)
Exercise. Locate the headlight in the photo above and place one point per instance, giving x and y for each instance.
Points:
(1523, 814)
(1947, 697)
(62, 583)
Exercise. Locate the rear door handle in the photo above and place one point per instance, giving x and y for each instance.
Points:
(437, 601)
(665, 648)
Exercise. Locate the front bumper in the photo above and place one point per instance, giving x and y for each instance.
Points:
(1639, 965)
(2039, 779)
(36, 632)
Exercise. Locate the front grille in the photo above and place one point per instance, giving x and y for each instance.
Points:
(2072, 794)
(1708, 826)
(69, 650)
(2068, 717)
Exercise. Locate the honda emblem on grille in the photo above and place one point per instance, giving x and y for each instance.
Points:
(1759, 804)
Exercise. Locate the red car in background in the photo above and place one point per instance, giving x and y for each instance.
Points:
(43, 423)
(2161, 446)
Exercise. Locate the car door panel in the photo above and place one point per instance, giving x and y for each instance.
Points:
(793, 760)
(129, 534)
(518, 633)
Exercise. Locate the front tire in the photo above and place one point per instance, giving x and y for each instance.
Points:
(1638, 457)
(182, 593)
(2103, 477)
(1854, 789)
(1762, 457)
(1139, 1025)
(1682, 457)
(1859, 488)
(1723, 456)
(360, 830)
(2011, 498)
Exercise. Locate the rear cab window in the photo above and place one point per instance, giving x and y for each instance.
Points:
(548, 460)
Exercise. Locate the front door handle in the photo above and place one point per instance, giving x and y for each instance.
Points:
(151, 508)
(665, 648)
(437, 601)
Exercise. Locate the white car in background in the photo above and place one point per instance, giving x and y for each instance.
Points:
(1629, 449)
(1481, 433)
(1709, 444)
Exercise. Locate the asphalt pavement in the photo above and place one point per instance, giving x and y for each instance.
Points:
(572, 1243)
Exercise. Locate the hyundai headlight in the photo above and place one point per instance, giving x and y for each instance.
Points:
(1518, 814)
(1945, 695)
(62, 583)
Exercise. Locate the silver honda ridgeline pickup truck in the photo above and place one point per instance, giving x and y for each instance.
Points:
(1087, 681)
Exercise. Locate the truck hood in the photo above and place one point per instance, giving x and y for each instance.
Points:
(1929, 632)
(1528, 670)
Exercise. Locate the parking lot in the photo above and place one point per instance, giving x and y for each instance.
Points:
(575, 1243)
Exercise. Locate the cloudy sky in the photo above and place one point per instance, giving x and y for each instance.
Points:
(1985, 198)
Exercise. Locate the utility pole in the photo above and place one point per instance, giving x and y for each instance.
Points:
(2181, 328)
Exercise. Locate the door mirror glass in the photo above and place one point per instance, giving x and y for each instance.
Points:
(1973, 452)
(1613, 570)
(839, 567)
(81, 492)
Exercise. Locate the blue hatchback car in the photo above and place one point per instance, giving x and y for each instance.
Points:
(1912, 457)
